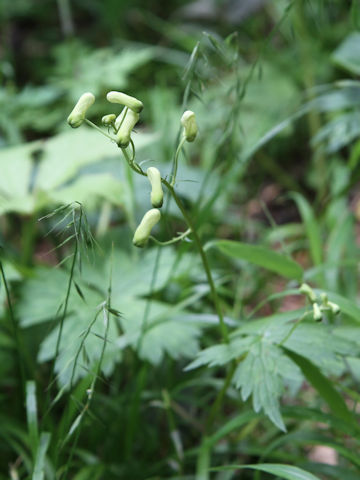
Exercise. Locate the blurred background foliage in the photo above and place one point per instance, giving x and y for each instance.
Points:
(276, 91)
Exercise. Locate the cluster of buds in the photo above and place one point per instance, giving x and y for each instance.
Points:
(152, 217)
(123, 125)
(319, 305)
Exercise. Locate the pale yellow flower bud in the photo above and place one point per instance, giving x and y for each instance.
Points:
(143, 231)
(108, 119)
(124, 133)
(308, 291)
(77, 116)
(316, 312)
(157, 195)
(188, 121)
(126, 100)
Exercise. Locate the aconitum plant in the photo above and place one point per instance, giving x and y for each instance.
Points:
(119, 130)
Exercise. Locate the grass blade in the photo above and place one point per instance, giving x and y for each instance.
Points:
(31, 413)
(287, 472)
(324, 387)
(39, 466)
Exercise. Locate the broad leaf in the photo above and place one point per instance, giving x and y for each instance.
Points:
(262, 257)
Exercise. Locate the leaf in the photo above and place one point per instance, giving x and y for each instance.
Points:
(39, 467)
(262, 257)
(231, 425)
(338, 132)
(320, 345)
(88, 190)
(221, 354)
(311, 227)
(324, 387)
(347, 54)
(259, 375)
(31, 413)
(349, 307)
(25, 188)
(287, 472)
(162, 332)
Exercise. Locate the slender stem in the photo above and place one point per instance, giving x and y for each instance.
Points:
(187, 218)
(295, 325)
(220, 396)
(173, 240)
(89, 122)
(223, 327)
(178, 150)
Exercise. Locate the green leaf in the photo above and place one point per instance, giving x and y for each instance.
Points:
(39, 467)
(259, 375)
(221, 354)
(324, 386)
(31, 413)
(347, 306)
(311, 227)
(165, 331)
(61, 160)
(287, 472)
(320, 344)
(231, 425)
(262, 257)
(347, 54)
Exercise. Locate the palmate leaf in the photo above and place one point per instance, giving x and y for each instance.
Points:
(260, 375)
(162, 332)
(264, 348)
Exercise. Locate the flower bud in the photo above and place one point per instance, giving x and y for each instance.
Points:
(157, 195)
(108, 119)
(316, 312)
(334, 307)
(124, 133)
(188, 121)
(77, 116)
(143, 231)
(130, 102)
(308, 291)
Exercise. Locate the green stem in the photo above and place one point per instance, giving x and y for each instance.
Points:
(197, 241)
(173, 240)
(89, 122)
(178, 150)
(220, 396)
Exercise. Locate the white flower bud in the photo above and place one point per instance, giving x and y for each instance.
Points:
(143, 231)
(77, 116)
(130, 102)
(188, 121)
(157, 195)
(334, 307)
(308, 291)
(124, 133)
(316, 312)
(108, 119)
